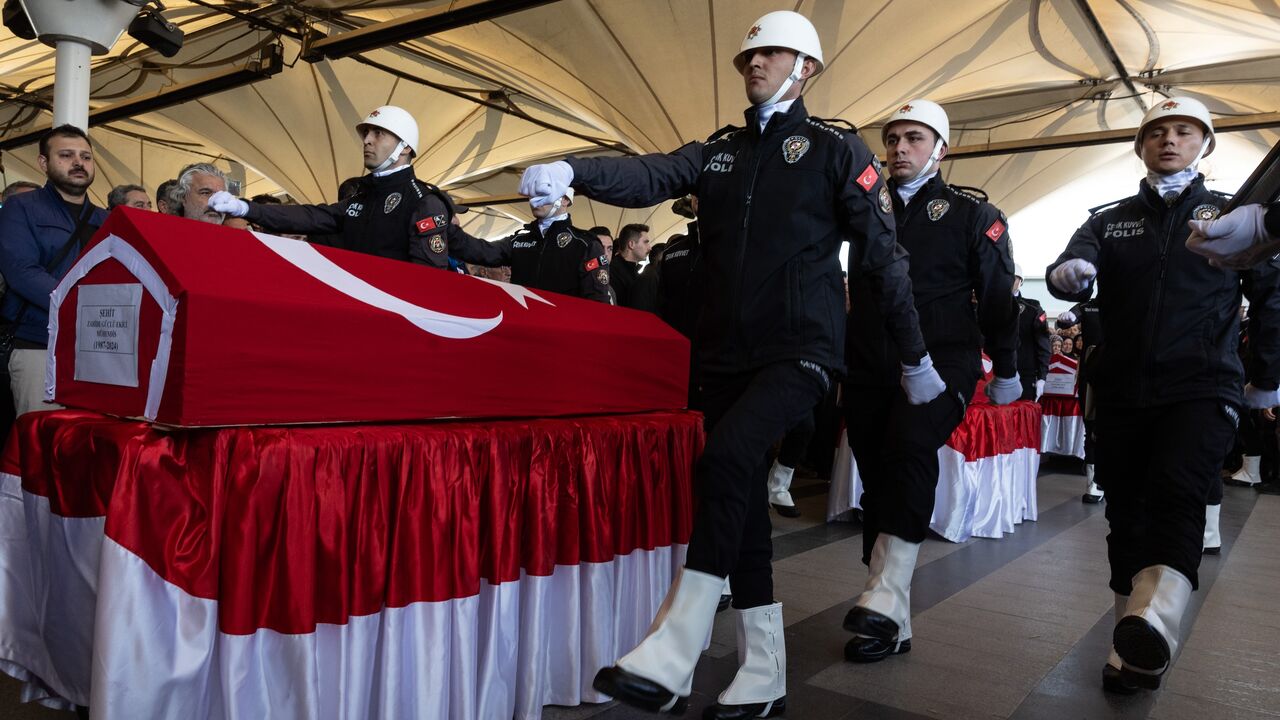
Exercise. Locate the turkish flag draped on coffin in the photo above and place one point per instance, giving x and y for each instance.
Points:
(191, 324)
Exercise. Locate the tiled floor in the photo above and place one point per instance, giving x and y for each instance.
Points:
(1010, 628)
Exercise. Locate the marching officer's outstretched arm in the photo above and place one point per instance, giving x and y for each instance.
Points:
(470, 249)
(991, 270)
(867, 216)
(639, 181)
(1262, 288)
(1071, 276)
(299, 219)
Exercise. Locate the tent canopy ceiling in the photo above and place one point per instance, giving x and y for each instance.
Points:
(635, 76)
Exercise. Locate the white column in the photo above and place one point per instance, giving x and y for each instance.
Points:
(71, 84)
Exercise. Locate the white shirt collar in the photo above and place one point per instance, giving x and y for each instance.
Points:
(1173, 183)
(384, 173)
(765, 112)
(545, 223)
(908, 190)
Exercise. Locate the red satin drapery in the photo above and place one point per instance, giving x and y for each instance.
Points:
(290, 527)
(990, 430)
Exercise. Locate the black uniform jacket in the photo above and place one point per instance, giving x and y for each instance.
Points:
(565, 260)
(1169, 318)
(680, 283)
(1034, 346)
(394, 216)
(960, 250)
(773, 210)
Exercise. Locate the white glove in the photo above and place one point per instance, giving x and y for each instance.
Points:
(921, 382)
(1256, 399)
(1039, 389)
(547, 183)
(1073, 276)
(1067, 318)
(224, 202)
(1002, 391)
(1234, 232)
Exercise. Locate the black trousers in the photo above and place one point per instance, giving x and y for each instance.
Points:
(1158, 466)
(795, 445)
(745, 414)
(896, 446)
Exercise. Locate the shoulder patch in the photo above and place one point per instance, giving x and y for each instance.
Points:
(996, 231)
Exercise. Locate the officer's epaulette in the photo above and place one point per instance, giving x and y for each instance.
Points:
(1105, 206)
(827, 125)
(977, 195)
(723, 132)
(1223, 195)
(837, 121)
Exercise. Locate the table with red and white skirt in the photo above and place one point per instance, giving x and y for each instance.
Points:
(462, 570)
(986, 479)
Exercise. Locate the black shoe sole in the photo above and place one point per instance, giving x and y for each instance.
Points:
(868, 650)
(638, 692)
(1212, 551)
(1140, 646)
(1239, 483)
(724, 603)
(742, 712)
(1113, 681)
(786, 511)
(1088, 499)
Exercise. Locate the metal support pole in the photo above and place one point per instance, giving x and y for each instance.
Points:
(71, 84)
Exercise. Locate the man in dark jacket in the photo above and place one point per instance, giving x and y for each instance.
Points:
(551, 254)
(632, 288)
(777, 198)
(1087, 316)
(393, 214)
(1169, 383)
(1034, 345)
(960, 251)
(37, 228)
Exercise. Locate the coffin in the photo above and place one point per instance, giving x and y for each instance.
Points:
(189, 324)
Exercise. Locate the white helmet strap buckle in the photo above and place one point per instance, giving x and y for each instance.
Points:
(934, 158)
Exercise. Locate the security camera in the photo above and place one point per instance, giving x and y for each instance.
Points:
(151, 29)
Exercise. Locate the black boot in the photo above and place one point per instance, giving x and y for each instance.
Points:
(740, 712)
(877, 637)
(1114, 681)
(638, 692)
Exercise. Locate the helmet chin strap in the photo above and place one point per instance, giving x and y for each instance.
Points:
(794, 77)
(934, 158)
(395, 155)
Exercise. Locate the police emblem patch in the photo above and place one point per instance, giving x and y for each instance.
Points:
(602, 276)
(437, 244)
(563, 239)
(937, 208)
(794, 148)
(885, 203)
(1205, 212)
(392, 201)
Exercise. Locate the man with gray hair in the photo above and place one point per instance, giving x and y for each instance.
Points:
(189, 198)
(17, 187)
(134, 196)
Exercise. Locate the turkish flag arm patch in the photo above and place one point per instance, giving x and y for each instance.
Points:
(868, 178)
(425, 224)
(996, 231)
(592, 264)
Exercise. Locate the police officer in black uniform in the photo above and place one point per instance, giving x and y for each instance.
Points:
(1089, 318)
(392, 215)
(551, 254)
(1169, 383)
(960, 250)
(679, 286)
(1034, 345)
(776, 200)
